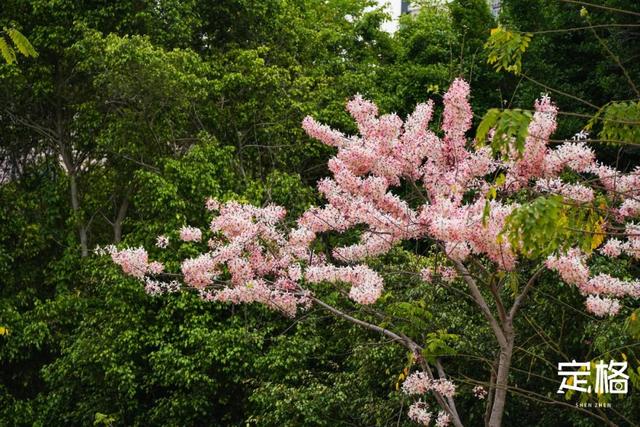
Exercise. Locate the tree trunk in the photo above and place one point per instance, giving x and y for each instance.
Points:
(491, 391)
(502, 380)
(117, 224)
(75, 205)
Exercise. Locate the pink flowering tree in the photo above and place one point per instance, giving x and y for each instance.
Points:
(501, 208)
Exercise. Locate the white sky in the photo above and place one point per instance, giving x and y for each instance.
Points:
(393, 7)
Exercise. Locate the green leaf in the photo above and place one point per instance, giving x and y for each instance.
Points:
(620, 122)
(7, 51)
(511, 129)
(488, 121)
(548, 224)
(505, 49)
(21, 42)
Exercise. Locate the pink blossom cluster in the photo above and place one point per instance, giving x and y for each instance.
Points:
(157, 287)
(573, 155)
(632, 248)
(417, 383)
(615, 247)
(572, 268)
(480, 392)
(619, 186)
(630, 208)
(531, 163)
(134, 261)
(606, 284)
(200, 271)
(602, 306)
(190, 234)
(155, 268)
(419, 413)
(368, 166)
(420, 383)
(443, 419)
(447, 274)
(260, 291)
(251, 259)
(366, 284)
(162, 241)
(576, 193)
(250, 251)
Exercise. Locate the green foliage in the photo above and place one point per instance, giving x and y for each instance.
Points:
(505, 49)
(439, 344)
(510, 128)
(104, 419)
(633, 324)
(7, 51)
(412, 318)
(619, 123)
(20, 43)
(548, 224)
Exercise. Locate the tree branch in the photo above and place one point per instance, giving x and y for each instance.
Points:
(480, 301)
(520, 298)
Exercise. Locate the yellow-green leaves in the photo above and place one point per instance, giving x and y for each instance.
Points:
(620, 122)
(439, 343)
(505, 49)
(511, 128)
(633, 324)
(14, 38)
(548, 224)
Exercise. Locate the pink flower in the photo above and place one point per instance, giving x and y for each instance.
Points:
(418, 412)
(417, 383)
(605, 284)
(162, 241)
(444, 387)
(613, 248)
(155, 287)
(155, 267)
(570, 266)
(199, 272)
(212, 204)
(190, 234)
(420, 383)
(574, 155)
(574, 192)
(426, 274)
(480, 392)
(602, 306)
(630, 208)
(322, 132)
(366, 284)
(443, 419)
(457, 116)
(133, 261)
(152, 287)
(449, 274)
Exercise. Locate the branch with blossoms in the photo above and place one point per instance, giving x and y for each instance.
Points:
(465, 212)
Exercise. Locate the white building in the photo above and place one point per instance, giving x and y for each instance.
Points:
(396, 8)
